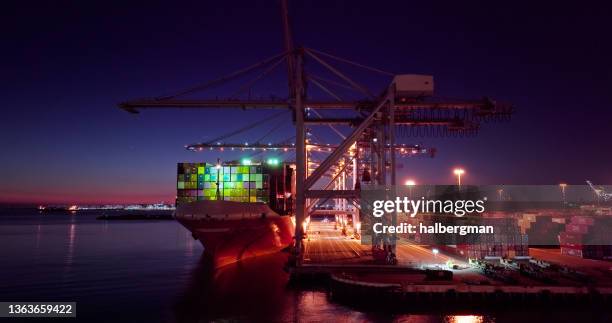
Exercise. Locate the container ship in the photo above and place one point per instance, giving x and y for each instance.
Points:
(237, 209)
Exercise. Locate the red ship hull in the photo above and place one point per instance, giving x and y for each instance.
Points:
(232, 231)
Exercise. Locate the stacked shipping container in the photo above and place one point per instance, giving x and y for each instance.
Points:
(587, 237)
(507, 242)
(229, 182)
(542, 230)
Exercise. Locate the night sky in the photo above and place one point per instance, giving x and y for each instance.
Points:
(65, 66)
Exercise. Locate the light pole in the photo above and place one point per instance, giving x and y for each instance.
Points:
(410, 183)
(563, 185)
(218, 168)
(458, 172)
(500, 192)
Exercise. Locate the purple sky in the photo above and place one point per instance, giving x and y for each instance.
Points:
(66, 65)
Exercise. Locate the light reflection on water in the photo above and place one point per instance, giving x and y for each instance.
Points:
(70, 253)
(38, 227)
(135, 271)
(464, 319)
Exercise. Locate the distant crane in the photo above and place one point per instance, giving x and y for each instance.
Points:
(601, 194)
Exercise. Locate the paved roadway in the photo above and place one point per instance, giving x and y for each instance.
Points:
(326, 245)
(599, 269)
(555, 256)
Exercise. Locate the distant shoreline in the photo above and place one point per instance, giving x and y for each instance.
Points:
(138, 215)
(119, 214)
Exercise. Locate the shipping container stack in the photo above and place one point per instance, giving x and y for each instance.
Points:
(507, 242)
(603, 210)
(542, 230)
(560, 220)
(406, 218)
(229, 182)
(587, 237)
(525, 221)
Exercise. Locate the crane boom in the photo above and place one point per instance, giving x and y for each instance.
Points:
(600, 192)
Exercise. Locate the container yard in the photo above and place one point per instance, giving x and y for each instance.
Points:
(426, 272)
(586, 237)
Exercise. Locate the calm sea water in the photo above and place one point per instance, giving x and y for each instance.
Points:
(152, 271)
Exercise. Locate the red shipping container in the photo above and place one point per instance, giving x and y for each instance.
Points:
(571, 252)
(581, 219)
(577, 228)
(559, 220)
(568, 237)
(571, 245)
(531, 217)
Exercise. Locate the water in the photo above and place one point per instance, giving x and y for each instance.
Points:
(152, 271)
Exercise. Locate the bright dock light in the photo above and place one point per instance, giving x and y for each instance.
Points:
(458, 172)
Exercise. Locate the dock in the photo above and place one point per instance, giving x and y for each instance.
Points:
(326, 245)
(327, 251)
(347, 267)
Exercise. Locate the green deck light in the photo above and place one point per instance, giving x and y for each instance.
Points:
(246, 161)
(273, 161)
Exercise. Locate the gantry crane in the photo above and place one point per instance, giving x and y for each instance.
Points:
(376, 117)
(599, 192)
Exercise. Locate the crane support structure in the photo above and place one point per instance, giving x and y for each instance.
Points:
(369, 127)
(481, 107)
